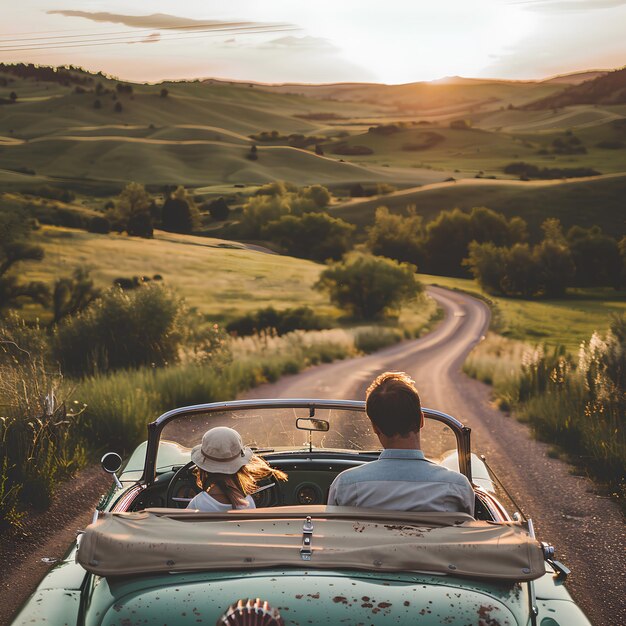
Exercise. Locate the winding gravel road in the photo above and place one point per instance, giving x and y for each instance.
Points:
(586, 528)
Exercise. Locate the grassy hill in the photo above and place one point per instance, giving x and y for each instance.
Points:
(222, 279)
(583, 202)
(607, 89)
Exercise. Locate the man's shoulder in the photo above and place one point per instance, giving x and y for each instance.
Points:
(367, 471)
(448, 475)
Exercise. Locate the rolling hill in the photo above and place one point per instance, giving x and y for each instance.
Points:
(607, 89)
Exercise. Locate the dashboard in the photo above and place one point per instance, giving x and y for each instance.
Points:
(309, 480)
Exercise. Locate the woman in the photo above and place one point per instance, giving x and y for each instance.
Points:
(227, 472)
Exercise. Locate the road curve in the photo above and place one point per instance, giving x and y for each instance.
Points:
(586, 528)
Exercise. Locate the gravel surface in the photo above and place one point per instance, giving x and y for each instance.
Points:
(586, 528)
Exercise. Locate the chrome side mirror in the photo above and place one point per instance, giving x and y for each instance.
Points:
(111, 463)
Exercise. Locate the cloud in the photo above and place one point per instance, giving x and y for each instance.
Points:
(165, 21)
(568, 6)
(302, 43)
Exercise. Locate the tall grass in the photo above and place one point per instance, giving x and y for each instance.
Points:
(45, 436)
(578, 404)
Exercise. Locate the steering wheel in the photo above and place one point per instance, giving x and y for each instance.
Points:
(265, 495)
(182, 475)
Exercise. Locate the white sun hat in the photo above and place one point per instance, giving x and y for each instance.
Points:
(221, 451)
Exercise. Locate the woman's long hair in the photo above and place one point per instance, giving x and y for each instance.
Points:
(241, 484)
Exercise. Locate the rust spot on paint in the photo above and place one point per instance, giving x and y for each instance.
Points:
(340, 599)
(384, 605)
(484, 616)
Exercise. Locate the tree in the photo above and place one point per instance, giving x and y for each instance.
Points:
(368, 286)
(132, 210)
(397, 237)
(486, 263)
(13, 96)
(179, 213)
(252, 155)
(15, 247)
(164, 93)
(97, 104)
(448, 237)
(71, 295)
(118, 107)
(218, 209)
(556, 267)
(522, 272)
(316, 236)
(596, 257)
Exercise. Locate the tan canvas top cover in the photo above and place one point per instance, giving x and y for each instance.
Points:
(162, 540)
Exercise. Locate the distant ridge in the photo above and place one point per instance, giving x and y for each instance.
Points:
(607, 89)
(576, 77)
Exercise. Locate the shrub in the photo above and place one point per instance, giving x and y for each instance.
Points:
(179, 213)
(396, 236)
(218, 209)
(120, 330)
(99, 224)
(282, 322)
(367, 286)
(316, 236)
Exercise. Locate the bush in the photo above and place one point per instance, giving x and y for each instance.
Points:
(282, 322)
(179, 213)
(99, 224)
(218, 209)
(120, 330)
(367, 286)
(396, 236)
(316, 236)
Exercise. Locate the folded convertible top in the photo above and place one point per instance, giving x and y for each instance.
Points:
(166, 540)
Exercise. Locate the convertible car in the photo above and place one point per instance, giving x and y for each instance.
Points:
(148, 559)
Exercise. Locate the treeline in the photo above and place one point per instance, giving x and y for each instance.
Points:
(296, 219)
(495, 250)
(65, 76)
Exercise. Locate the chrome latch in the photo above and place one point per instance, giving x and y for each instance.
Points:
(307, 537)
(561, 572)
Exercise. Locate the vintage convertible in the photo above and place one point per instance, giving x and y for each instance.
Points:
(146, 559)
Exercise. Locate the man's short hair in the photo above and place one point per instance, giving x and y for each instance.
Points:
(393, 404)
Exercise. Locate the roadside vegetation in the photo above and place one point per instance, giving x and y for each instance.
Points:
(576, 402)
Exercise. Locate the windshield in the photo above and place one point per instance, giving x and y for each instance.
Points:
(275, 429)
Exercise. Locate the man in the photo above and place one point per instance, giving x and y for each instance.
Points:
(401, 479)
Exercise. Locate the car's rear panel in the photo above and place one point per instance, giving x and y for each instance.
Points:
(306, 597)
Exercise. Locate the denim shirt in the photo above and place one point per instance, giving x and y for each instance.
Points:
(403, 480)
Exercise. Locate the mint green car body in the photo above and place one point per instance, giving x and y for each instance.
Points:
(70, 595)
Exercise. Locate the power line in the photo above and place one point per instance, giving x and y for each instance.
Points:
(213, 26)
(109, 41)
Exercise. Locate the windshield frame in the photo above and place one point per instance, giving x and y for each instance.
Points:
(155, 428)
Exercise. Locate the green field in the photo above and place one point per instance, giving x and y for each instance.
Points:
(565, 322)
(219, 278)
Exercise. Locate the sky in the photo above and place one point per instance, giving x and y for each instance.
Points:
(391, 41)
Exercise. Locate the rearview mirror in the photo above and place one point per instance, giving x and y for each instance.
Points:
(312, 424)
